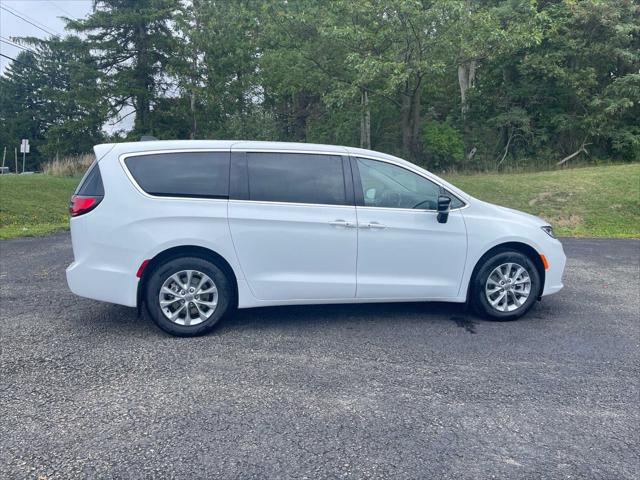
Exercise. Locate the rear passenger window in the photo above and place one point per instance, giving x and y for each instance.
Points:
(296, 178)
(187, 174)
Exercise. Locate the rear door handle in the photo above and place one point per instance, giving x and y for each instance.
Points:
(341, 223)
(376, 225)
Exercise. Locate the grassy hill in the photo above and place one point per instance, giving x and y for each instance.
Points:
(34, 204)
(593, 201)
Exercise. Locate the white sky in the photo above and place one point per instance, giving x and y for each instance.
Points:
(45, 13)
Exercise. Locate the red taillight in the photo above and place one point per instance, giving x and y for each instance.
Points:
(82, 204)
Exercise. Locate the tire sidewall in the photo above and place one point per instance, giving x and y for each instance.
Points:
(480, 300)
(164, 271)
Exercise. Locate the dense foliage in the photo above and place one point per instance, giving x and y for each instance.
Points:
(450, 84)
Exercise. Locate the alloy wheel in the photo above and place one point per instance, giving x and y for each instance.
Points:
(188, 297)
(508, 287)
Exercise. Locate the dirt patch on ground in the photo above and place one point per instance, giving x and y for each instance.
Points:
(539, 197)
(567, 221)
(550, 197)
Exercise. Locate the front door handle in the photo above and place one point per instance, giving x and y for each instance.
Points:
(341, 223)
(375, 225)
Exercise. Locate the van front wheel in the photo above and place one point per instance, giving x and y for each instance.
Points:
(188, 296)
(505, 286)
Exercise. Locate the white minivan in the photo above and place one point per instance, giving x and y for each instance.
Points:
(195, 229)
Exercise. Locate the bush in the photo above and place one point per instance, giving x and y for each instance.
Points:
(626, 142)
(442, 145)
(72, 166)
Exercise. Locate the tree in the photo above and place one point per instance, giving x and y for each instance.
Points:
(49, 96)
(575, 87)
(518, 83)
(298, 65)
(133, 41)
(20, 104)
(72, 117)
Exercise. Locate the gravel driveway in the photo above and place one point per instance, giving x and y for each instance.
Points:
(88, 390)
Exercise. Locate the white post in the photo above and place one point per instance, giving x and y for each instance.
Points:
(4, 156)
(24, 149)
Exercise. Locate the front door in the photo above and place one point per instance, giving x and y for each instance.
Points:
(294, 225)
(403, 252)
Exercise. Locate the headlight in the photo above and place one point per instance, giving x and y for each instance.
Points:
(548, 229)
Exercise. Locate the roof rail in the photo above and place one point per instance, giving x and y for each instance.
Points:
(147, 138)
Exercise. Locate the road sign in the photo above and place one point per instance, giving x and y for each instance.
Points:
(24, 148)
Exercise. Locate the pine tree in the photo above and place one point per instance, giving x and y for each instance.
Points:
(134, 43)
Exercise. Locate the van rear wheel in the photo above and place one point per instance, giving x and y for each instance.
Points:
(505, 286)
(188, 296)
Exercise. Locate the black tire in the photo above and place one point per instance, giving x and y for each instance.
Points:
(225, 294)
(478, 297)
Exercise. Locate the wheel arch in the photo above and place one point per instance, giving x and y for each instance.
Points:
(185, 251)
(521, 247)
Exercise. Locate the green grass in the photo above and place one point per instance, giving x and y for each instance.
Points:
(33, 205)
(594, 201)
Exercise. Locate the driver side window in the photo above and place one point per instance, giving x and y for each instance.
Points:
(390, 186)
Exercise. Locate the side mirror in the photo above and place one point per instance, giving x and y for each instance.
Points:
(444, 204)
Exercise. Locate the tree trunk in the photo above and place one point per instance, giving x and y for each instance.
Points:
(410, 114)
(415, 119)
(405, 113)
(466, 80)
(365, 121)
(194, 72)
(362, 119)
(506, 148)
(142, 104)
(141, 124)
(194, 123)
(300, 112)
(582, 149)
(241, 107)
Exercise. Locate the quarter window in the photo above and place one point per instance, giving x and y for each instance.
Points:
(455, 201)
(184, 174)
(91, 183)
(390, 186)
(296, 178)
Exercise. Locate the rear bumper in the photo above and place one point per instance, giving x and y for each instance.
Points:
(557, 261)
(99, 283)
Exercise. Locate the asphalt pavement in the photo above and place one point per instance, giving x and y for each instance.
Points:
(88, 390)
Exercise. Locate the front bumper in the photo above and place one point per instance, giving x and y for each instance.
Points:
(557, 261)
